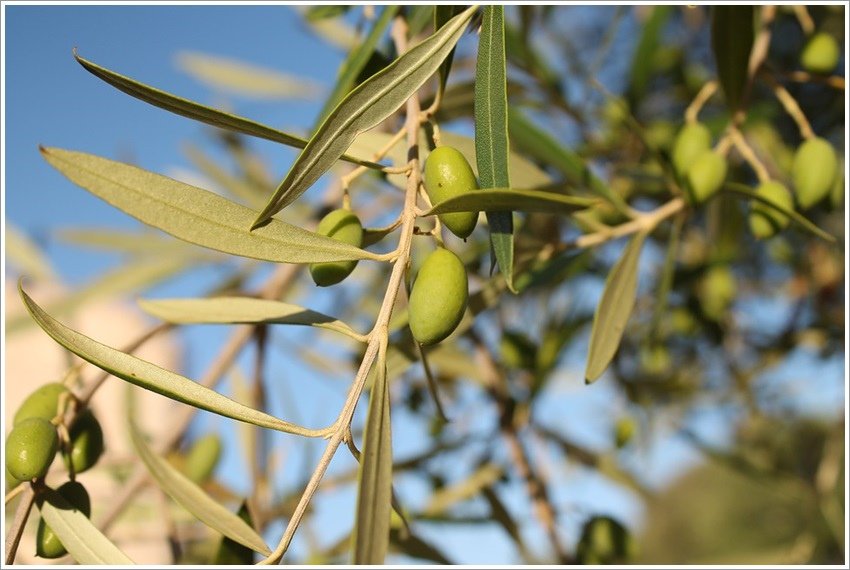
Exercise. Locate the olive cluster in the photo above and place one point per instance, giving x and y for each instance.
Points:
(33, 443)
(814, 174)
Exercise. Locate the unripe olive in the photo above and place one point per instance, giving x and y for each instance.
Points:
(448, 174)
(438, 298)
(820, 54)
(342, 225)
(47, 544)
(30, 448)
(624, 431)
(86, 444)
(43, 403)
(693, 139)
(11, 482)
(764, 220)
(605, 541)
(813, 171)
(717, 290)
(706, 176)
(203, 458)
(654, 360)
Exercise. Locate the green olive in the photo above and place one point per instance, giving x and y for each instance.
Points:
(342, 225)
(706, 176)
(654, 360)
(624, 431)
(448, 174)
(203, 457)
(47, 544)
(86, 443)
(813, 171)
(605, 541)
(820, 54)
(691, 141)
(764, 220)
(30, 448)
(11, 482)
(717, 290)
(43, 403)
(438, 298)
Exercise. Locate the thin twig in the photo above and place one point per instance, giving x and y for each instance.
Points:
(805, 19)
(791, 107)
(749, 154)
(22, 513)
(705, 93)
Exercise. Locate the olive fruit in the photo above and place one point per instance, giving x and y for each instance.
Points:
(11, 482)
(813, 171)
(30, 448)
(691, 141)
(342, 225)
(47, 544)
(203, 457)
(43, 403)
(706, 176)
(86, 443)
(448, 174)
(764, 220)
(717, 290)
(604, 541)
(820, 54)
(438, 298)
(654, 360)
(624, 431)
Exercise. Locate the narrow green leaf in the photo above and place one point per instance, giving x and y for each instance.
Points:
(367, 105)
(642, 61)
(245, 79)
(442, 14)
(540, 144)
(356, 61)
(230, 552)
(196, 215)
(796, 217)
(22, 252)
(150, 376)
(198, 112)
(509, 199)
(130, 277)
(239, 310)
(324, 11)
(374, 493)
(614, 309)
(84, 542)
(191, 497)
(732, 36)
(491, 132)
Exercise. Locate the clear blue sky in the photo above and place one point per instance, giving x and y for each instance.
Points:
(51, 100)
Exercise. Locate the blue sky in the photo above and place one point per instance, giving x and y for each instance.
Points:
(51, 100)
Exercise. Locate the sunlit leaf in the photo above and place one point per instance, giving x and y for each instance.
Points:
(509, 199)
(335, 31)
(491, 132)
(614, 309)
(129, 242)
(150, 376)
(196, 215)
(241, 310)
(374, 493)
(356, 60)
(191, 497)
(245, 79)
(199, 112)
(23, 253)
(84, 542)
(367, 105)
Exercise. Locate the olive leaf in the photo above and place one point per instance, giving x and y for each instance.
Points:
(22, 252)
(150, 376)
(614, 309)
(242, 310)
(83, 541)
(198, 112)
(374, 493)
(191, 497)
(732, 36)
(442, 14)
(196, 215)
(491, 132)
(367, 105)
(245, 79)
(230, 552)
(509, 199)
(356, 61)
